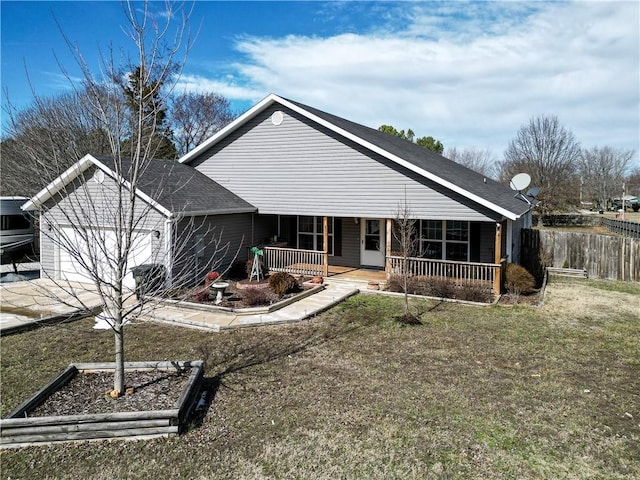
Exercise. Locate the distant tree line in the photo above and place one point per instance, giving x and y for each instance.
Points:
(568, 175)
(44, 139)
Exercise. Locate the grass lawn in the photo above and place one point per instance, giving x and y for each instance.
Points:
(476, 392)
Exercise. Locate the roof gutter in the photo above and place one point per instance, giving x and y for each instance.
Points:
(203, 213)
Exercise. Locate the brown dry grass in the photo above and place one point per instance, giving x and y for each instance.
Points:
(475, 392)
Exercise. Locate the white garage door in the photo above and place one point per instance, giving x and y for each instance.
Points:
(71, 267)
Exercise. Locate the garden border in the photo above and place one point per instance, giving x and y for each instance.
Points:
(19, 430)
(241, 311)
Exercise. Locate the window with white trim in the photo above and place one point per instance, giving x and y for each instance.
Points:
(311, 233)
(444, 240)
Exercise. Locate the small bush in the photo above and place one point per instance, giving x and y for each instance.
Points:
(282, 282)
(440, 287)
(202, 296)
(518, 280)
(474, 293)
(257, 296)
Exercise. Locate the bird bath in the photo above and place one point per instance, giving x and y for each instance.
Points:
(219, 289)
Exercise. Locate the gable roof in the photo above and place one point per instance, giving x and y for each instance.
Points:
(169, 186)
(426, 163)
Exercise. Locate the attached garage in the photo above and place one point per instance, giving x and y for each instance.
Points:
(177, 211)
(77, 268)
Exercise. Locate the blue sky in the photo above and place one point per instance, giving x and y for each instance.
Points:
(468, 73)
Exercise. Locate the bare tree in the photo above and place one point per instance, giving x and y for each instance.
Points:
(479, 160)
(405, 234)
(100, 220)
(48, 137)
(602, 173)
(633, 182)
(550, 154)
(197, 116)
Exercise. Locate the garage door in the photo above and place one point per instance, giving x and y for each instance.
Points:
(71, 268)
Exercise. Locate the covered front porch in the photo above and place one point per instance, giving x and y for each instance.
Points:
(366, 248)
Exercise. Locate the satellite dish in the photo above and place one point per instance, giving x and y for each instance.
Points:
(520, 182)
(533, 192)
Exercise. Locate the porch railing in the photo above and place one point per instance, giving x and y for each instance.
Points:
(292, 260)
(463, 273)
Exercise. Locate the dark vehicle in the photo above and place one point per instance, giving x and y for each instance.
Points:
(17, 233)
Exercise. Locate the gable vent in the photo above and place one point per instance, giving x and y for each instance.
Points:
(277, 117)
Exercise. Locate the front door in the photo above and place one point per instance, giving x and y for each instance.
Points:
(372, 242)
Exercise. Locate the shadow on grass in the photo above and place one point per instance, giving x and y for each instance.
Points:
(262, 349)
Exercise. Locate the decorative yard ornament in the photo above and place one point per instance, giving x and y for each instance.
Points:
(255, 268)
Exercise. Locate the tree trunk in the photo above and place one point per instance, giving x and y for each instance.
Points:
(118, 379)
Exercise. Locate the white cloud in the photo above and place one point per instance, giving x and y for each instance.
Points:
(468, 74)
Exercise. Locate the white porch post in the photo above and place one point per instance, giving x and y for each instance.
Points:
(387, 247)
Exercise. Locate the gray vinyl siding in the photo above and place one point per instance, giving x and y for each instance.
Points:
(90, 204)
(487, 242)
(350, 245)
(300, 168)
(47, 247)
(225, 238)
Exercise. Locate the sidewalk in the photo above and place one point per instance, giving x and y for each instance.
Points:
(24, 305)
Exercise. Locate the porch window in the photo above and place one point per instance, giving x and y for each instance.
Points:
(444, 240)
(311, 234)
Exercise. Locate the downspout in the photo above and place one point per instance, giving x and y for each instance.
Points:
(509, 245)
(168, 251)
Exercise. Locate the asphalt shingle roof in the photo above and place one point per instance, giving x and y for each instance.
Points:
(181, 188)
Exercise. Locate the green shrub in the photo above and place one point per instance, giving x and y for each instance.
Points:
(518, 280)
(282, 283)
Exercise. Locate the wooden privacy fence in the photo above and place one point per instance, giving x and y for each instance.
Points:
(292, 260)
(622, 227)
(602, 256)
(463, 272)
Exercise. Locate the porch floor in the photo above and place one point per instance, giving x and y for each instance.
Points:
(352, 273)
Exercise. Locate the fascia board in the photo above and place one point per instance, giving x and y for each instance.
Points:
(257, 108)
(59, 183)
(127, 184)
(202, 213)
(400, 161)
(72, 173)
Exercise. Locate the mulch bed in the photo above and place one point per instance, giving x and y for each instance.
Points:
(88, 393)
(233, 296)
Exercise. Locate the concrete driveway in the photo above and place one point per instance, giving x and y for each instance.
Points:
(26, 304)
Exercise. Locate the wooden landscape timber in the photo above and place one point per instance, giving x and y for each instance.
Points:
(18, 429)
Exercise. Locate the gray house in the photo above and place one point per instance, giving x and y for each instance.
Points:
(319, 193)
(323, 183)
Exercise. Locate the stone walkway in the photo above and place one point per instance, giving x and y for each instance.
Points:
(26, 304)
(335, 292)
